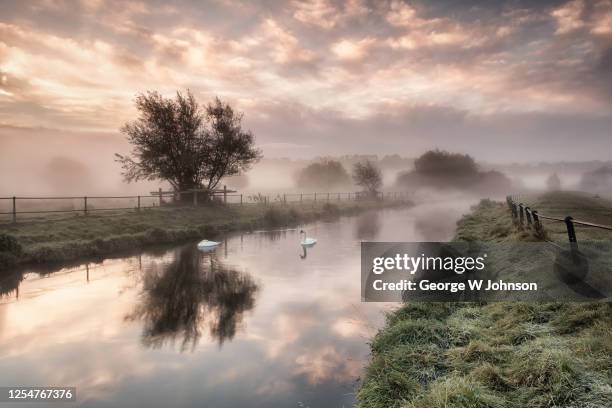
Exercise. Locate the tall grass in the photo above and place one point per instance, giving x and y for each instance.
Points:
(506, 355)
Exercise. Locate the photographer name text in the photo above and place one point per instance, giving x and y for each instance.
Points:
(473, 285)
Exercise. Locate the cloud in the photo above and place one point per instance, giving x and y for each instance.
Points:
(320, 13)
(324, 14)
(324, 66)
(349, 50)
(402, 14)
(285, 46)
(569, 16)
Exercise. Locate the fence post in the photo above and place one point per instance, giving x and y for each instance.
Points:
(85, 205)
(224, 194)
(301, 197)
(285, 199)
(514, 213)
(14, 209)
(571, 235)
(240, 199)
(537, 224)
(138, 203)
(195, 198)
(315, 197)
(571, 232)
(328, 197)
(521, 214)
(160, 197)
(528, 215)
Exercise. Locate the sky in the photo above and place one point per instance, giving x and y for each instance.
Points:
(504, 81)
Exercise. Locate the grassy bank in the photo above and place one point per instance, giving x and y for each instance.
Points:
(96, 235)
(505, 354)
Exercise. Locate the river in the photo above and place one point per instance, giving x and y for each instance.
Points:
(257, 322)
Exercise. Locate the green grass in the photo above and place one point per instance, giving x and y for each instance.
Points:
(43, 240)
(504, 354)
(581, 206)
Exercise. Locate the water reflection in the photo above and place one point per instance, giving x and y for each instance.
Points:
(9, 284)
(304, 342)
(304, 253)
(179, 299)
(367, 226)
(275, 235)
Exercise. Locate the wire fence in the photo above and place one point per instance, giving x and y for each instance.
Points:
(16, 208)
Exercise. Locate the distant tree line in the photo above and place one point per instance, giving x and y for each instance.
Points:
(598, 180)
(443, 170)
(331, 174)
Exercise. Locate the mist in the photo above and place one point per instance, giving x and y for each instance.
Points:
(46, 162)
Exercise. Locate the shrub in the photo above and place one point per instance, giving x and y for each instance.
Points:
(330, 209)
(10, 251)
(325, 174)
(441, 169)
(8, 243)
(273, 217)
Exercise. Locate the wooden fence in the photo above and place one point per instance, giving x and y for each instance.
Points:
(32, 206)
(526, 217)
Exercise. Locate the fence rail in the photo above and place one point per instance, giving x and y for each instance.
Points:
(524, 216)
(85, 204)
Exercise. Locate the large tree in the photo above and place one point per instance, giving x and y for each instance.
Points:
(176, 140)
(368, 176)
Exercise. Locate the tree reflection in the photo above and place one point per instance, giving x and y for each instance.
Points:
(367, 226)
(194, 290)
(10, 283)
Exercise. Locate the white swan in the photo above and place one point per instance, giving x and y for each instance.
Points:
(206, 245)
(306, 241)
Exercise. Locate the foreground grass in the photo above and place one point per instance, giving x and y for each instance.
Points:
(96, 235)
(505, 354)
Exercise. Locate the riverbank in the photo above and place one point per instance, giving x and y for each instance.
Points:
(40, 241)
(505, 354)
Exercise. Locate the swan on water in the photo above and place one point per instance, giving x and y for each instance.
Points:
(306, 241)
(206, 245)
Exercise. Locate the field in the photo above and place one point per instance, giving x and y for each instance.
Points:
(504, 354)
(71, 237)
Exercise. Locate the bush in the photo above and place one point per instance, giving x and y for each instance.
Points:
(273, 217)
(9, 244)
(157, 235)
(442, 163)
(441, 169)
(325, 174)
(10, 251)
(293, 215)
(330, 209)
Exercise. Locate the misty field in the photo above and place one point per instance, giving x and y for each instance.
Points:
(547, 354)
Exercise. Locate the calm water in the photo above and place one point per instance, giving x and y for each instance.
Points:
(256, 323)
